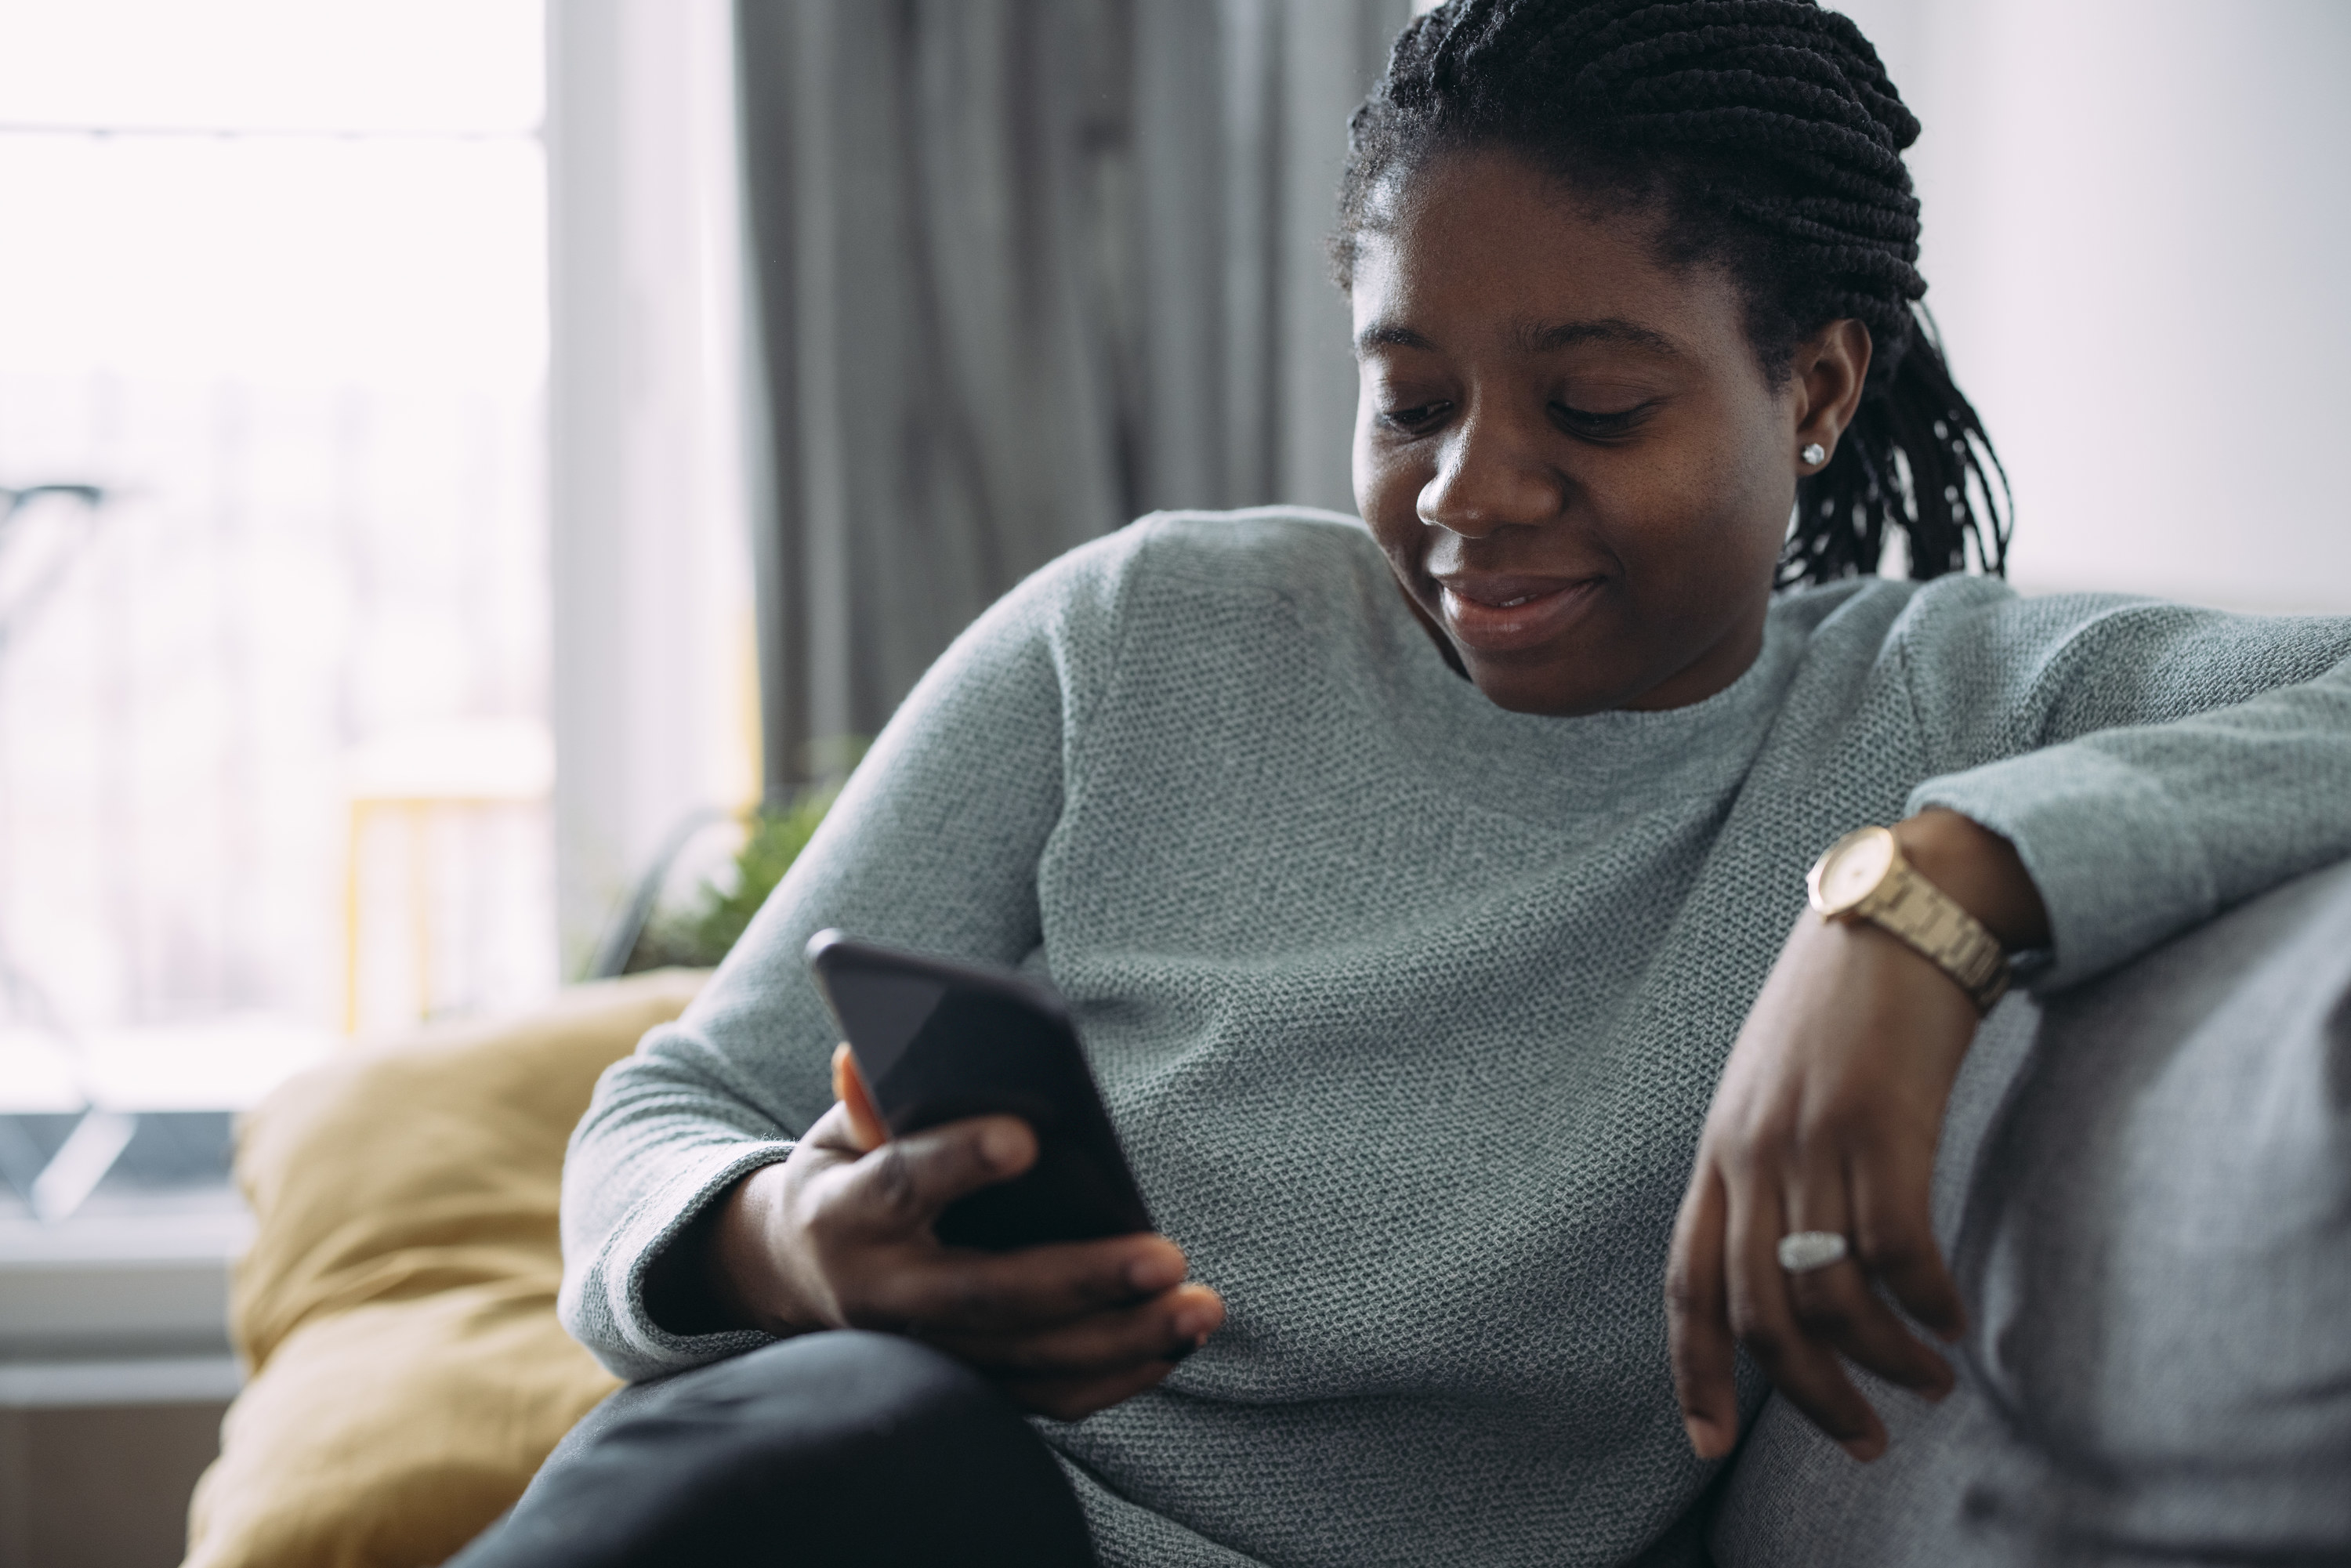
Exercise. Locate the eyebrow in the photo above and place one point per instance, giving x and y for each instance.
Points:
(1387, 335)
(1543, 340)
(1532, 338)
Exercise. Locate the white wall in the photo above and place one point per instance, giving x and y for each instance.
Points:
(2135, 211)
(654, 714)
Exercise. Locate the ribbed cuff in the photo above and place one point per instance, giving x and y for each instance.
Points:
(604, 1304)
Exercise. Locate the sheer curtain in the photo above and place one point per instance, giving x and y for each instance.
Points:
(1022, 270)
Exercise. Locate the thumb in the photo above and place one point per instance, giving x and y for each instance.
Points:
(901, 1186)
(865, 1123)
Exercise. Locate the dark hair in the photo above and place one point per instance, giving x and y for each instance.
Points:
(1767, 134)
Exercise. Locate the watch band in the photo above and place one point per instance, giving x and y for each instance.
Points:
(1907, 906)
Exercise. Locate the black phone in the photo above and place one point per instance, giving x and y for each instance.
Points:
(936, 1041)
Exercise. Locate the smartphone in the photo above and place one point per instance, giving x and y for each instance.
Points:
(936, 1041)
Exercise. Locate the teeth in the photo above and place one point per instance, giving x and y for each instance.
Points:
(1514, 603)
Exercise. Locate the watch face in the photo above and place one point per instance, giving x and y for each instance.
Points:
(1854, 868)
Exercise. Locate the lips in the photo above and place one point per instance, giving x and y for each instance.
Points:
(1500, 613)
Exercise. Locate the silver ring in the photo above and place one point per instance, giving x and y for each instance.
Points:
(1803, 1251)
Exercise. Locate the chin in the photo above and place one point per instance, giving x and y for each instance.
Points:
(1543, 690)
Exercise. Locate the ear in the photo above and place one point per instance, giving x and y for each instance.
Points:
(1828, 372)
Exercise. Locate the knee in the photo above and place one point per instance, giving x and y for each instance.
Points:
(839, 1430)
(842, 1387)
(844, 1418)
(818, 1442)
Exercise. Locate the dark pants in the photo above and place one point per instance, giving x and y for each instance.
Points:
(838, 1448)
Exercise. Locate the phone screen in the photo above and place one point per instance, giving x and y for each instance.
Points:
(937, 1041)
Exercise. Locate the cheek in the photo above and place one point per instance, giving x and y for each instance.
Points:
(1364, 461)
(1712, 514)
(1387, 486)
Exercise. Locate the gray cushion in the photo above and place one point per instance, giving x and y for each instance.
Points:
(2144, 1186)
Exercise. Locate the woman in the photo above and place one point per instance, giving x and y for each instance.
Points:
(1420, 883)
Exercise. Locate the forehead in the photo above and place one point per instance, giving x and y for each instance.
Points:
(1487, 243)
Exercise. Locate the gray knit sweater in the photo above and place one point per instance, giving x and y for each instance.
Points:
(1407, 1007)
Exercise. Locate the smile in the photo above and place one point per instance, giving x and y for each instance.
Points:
(1502, 614)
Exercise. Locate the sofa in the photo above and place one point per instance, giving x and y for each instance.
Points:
(2144, 1187)
(2144, 1184)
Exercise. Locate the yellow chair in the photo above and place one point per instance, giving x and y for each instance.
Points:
(419, 777)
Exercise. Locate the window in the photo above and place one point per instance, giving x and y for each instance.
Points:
(272, 747)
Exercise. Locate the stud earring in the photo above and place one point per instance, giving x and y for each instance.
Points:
(1815, 451)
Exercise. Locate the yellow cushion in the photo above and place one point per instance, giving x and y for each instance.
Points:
(397, 1308)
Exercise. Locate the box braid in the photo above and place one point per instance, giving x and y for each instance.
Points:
(1768, 134)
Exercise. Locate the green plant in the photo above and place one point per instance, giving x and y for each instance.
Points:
(699, 934)
(775, 841)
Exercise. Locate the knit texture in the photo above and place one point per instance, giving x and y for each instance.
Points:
(1408, 1009)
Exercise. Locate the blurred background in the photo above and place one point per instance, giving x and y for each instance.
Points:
(458, 457)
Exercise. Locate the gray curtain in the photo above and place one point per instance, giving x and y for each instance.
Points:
(1022, 270)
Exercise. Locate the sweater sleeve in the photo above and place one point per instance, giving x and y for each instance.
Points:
(2153, 764)
(933, 845)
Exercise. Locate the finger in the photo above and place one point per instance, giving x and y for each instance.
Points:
(960, 1292)
(1167, 1328)
(1805, 1372)
(1074, 1399)
(1834, 1305)
(1893, 1234)
(896, 1190)
(866, 1123)
(1697, 1318)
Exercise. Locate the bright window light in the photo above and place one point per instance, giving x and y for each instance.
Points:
(431, 67)
(273, 754)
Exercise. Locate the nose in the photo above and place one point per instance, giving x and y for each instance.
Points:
(1492, 474)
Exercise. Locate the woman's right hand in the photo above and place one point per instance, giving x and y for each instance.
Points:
(839, 1236)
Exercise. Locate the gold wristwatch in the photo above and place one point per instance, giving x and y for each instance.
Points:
(1863, 877)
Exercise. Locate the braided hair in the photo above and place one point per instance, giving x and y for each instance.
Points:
(1766, 135)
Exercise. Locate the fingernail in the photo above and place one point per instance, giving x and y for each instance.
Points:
(1194, 1325)
(999, 1147)
(1864, 1449)
(1702, 1440)
(1155, 1271)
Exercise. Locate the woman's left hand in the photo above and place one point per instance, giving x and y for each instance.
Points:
(1826, 1119)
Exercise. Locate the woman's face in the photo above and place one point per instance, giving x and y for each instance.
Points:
(1568, 451)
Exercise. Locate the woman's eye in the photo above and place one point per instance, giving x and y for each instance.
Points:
(1417, 417)
(1586, 422)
